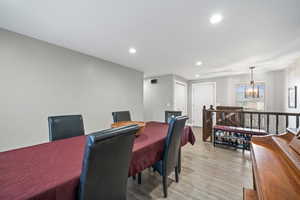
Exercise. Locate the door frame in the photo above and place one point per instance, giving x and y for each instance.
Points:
(186, 95)
(214, 84)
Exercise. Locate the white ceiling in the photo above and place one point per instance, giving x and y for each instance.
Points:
(169, 35)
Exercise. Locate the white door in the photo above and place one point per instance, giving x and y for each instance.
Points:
(180, 101)
(202, 94)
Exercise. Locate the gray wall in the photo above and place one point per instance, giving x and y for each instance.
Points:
(158, 97)
(38, 80)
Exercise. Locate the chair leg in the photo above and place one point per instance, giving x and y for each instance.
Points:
(153, 169)
(165, 186)
(176, 174)
(140, 178)
(179, 161)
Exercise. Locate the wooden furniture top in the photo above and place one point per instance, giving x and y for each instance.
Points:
(295, 131)
(276, 167)
(250, 194)
(126, 123)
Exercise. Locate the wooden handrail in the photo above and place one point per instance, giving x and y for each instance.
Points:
(255, 112)
(239, 119)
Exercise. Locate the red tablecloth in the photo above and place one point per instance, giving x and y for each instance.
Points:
(51, 170)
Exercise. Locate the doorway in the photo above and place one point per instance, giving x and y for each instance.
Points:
(180, 97)
(202, 94)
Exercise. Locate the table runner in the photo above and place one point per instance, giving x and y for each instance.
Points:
(51, 170)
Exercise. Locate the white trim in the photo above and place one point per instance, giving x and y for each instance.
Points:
(192, 97)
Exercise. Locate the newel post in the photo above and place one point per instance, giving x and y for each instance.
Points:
(204, 111)
(207, 123)
(203, 116)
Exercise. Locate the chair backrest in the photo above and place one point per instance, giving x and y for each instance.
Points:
(169, 114)
(121, 116)
(61, 127)
(172, 144)
(106, 163)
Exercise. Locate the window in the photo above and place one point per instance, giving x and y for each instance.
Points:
(243, 99)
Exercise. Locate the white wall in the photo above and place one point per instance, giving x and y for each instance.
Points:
(274, 92)
(225, 89)
(292, 78)
(38, 80)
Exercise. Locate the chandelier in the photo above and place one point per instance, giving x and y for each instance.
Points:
(252, 91)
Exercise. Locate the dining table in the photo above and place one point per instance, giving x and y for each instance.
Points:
(51, 171)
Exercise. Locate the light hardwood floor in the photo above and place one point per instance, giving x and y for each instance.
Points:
(208, 173)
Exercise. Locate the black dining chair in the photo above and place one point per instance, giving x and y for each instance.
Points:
(61, 127)
(121, 116)
(169, 161)
(106, 164)
(169, 114)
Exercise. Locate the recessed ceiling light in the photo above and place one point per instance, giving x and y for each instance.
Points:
(198, 63)
(197, 75)
(132, 50)
(216, 18)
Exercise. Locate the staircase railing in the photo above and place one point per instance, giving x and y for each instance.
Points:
(272, 122)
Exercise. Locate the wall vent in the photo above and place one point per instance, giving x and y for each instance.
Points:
(154, 81)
